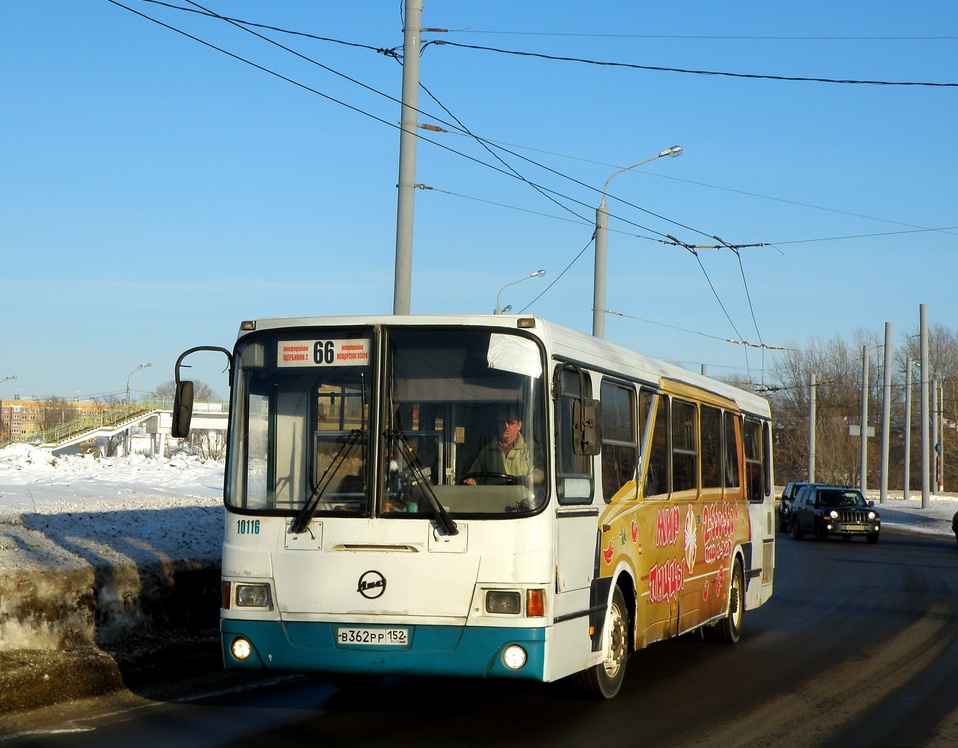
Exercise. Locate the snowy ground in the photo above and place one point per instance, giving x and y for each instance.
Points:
(88, 544)
(124, 501)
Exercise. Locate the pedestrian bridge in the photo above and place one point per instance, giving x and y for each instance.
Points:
(155, 418)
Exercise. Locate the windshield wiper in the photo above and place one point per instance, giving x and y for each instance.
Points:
(437, 510)
(301, 521)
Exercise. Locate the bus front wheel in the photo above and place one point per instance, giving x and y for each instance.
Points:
(604, 680)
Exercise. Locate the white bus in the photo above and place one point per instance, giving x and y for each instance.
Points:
(489, 496)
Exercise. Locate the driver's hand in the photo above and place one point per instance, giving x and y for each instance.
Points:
(469, 482)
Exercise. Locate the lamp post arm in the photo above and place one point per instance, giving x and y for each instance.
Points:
(601, 244)
(536, 274)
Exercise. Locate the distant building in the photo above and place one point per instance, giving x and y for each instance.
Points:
(21, 420)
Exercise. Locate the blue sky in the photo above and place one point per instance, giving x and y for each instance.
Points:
(154, 192)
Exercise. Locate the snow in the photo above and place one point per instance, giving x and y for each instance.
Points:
(121, 503)
(85, 541)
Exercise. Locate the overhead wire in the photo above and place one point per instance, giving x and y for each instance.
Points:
(687, 71)
(709, 37)
(508, 169)
(694, 252)
(211, 14)
(504, 170)
(391, 51)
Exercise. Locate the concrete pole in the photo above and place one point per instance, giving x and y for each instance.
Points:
(886, 415)
(941, 437)
(812, 401)
(925, 366)
(601, 251)
(934, 436)
(907, 480)
(409, 122)
(864, 465)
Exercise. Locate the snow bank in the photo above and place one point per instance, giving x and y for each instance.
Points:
(91, 547)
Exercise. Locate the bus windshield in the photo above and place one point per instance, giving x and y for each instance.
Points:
(396, 422)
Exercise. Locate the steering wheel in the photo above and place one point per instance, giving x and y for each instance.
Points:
(494, 479)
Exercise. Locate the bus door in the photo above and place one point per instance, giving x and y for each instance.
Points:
(580, 597)
(658, 570)
(756, 434)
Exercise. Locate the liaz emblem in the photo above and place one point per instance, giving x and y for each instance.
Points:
(372, 584)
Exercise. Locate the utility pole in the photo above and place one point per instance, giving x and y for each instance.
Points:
(935, 444)
(886, 415)
(907, 482)
(925, 368)
(812, 400)
(938, 434)
(409, 122)
(864, 466)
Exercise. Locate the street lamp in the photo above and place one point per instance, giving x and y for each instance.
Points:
(601, 243)
(498, 309)
(141, 366)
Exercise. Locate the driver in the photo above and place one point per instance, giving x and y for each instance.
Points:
(509, 454)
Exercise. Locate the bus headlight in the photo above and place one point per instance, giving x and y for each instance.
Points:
(514, 657)
(503, 602)
(241, 648)
(253, 596)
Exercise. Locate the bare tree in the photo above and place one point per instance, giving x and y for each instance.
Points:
(837, 367)
(56, 411)
(943, 366)
(201, 391)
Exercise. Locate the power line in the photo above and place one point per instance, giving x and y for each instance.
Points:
(702, 334)
(710, 37)
(486, 143)
(865, 236)
(507, 170)
(686, 71)
(564, 271)
(199, 10)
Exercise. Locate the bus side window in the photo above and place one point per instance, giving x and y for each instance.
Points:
(767, 458)
(574, 481)
(754, 460)
(711, 447)
(731, 452)
(620, 449)
(657, 473)
(684, 446)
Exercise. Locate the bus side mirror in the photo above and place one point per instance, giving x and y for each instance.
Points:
(182, 410)
(587, 425)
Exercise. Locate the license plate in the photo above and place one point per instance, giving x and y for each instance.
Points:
(372, 637)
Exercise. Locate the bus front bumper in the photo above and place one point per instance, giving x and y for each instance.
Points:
(467, 651)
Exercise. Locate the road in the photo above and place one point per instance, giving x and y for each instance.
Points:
(856, 648)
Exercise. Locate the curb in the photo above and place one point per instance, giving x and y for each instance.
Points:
(32, 679)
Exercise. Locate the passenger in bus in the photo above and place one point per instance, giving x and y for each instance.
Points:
(509, 454)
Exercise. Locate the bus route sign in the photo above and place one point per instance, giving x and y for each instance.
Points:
(346, 352)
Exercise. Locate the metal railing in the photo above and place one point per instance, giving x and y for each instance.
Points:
(111, 417)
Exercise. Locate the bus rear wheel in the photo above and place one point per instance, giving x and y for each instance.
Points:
(729, 629)
(604, 680)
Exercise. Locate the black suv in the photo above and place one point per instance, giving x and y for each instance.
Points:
(785, 504)
(832, 510)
